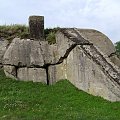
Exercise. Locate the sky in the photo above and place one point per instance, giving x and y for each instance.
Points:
(102, 15)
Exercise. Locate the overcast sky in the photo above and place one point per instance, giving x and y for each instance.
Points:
(103, 15)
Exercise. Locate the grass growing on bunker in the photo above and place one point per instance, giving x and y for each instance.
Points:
(9, 32)
(62, 101)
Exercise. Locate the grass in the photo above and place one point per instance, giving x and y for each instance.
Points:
(9, 32)
(62, 101)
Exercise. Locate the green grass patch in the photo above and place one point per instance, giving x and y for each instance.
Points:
(36, 101)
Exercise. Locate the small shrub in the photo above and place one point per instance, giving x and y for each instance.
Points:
(51, 38)
(50, 35)
(117, 46)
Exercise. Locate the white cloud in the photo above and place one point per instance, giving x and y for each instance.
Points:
(102, 15)
(106, 16)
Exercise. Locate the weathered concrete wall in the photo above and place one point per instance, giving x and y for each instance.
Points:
(3, 48)
(86, 75)
(10, 71)
(25, 59)
(27, 53)
(87, 67)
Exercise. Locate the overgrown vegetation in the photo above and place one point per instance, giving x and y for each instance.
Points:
(11, 31)
(50, 35)
(62, 101)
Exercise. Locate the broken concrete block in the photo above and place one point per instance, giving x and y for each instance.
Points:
(64, 47)
(25, 53)
(10, 71)
(56, 73)
(32, 74)
(17, 53)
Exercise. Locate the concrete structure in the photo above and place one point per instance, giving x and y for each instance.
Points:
(83, 56)
(36, 24)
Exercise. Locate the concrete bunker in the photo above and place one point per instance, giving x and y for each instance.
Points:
(79, 55)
